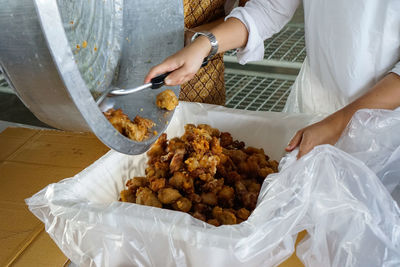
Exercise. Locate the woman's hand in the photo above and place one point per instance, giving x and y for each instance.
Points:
(230, 34)
(384, 95)
(326, 131)
(184, 64)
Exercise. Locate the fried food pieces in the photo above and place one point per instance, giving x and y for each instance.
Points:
(137, 130)
(205, 173)
(167, 99)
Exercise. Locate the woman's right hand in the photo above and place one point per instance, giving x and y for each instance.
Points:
(184, 64)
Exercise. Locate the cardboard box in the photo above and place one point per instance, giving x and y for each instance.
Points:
(29, 160)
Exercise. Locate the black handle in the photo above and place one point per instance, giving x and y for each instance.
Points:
(205, 62)
(158, 81)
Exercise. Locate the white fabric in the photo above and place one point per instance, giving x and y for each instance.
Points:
(396, 69)
(350, 46)
(262, 19)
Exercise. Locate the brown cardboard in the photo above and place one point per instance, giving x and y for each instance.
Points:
(293, 261)
(11, 139)
(44, 252)
(30, 160)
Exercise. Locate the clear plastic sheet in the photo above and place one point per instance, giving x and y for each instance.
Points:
(373, 136)
(349, 215)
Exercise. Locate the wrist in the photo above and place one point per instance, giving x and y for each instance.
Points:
(212, 41)
(342, 118)
(188, 37)
(203, 45)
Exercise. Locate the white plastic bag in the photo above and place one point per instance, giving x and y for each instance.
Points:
(350, 216)
(373, 136)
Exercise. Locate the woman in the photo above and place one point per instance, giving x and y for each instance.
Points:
(353, 50)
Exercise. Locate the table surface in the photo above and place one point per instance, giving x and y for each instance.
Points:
(30, 159)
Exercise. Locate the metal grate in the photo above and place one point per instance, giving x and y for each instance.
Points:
(253, 92)
(287, 45)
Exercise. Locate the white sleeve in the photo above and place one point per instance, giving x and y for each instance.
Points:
(262, 18)
(396, 69)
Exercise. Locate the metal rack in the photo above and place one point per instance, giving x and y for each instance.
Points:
(254, 91)
(288, 45)
(265, 85)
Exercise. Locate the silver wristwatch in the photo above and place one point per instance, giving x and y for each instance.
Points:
(213, 42)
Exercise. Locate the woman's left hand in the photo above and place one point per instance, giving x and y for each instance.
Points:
(326, 131)
(384, 95)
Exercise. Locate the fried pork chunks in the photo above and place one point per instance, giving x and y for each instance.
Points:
(205, 173)
(137, 130)
(167, 99)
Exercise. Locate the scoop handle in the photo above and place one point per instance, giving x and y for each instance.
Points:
(159, 80)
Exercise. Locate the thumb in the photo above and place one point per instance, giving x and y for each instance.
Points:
(295, 141)
(162, 68)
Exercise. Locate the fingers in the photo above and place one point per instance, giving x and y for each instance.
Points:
(295, 141)
(180, 76)
(323, 132)
(305, 147)
(184, 64)
(182, 70)
(300, 140)
(167, 65)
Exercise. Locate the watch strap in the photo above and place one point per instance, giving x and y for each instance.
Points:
(213, 42)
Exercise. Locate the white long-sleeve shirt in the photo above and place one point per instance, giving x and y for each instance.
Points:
(350, 46)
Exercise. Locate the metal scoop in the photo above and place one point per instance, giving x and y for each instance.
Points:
(155, 83)
(73, 57)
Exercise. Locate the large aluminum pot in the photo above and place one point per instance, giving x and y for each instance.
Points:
(61, 56)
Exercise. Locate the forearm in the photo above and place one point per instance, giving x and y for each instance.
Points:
(384, 95)
(204, 27)
(230, 34)
(207, 26)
